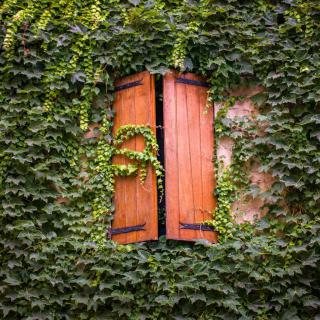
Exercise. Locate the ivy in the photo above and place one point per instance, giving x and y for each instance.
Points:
(232, 180)
(105, 171)
(58, 63)
(222, 216)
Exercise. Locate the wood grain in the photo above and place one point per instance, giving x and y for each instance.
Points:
(188, 158)
(135, 203)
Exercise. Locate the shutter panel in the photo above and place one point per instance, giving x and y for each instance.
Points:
(188, 152)
(135, 216)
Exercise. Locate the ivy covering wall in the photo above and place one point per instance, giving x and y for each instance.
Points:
(58, 63)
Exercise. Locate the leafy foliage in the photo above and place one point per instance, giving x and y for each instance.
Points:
(105, 171)
(58, 62)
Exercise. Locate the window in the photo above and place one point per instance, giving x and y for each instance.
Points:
(188, 149)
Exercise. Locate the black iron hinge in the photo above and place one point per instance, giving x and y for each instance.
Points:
(128, 85)
(193, 82)
(196, 226)
(115, 231)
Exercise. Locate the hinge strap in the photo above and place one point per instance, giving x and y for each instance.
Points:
(193, 82)
(196, 226)
(128, 85)
(127, 229)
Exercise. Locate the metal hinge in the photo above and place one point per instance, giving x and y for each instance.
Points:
(138, 227)
(193, 82)
(128, 85)
(196, 226)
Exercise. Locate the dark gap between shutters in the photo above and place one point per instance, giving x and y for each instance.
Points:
(160, 140)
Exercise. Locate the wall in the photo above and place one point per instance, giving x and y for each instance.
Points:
(247, 207)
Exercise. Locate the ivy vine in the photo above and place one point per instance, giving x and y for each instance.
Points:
(58, 62)
(105, 172)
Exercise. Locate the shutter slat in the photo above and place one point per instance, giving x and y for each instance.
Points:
(193, 99)
(188, 158)
(135, 204)
(171, 156)
(185, 182)
(207, 165)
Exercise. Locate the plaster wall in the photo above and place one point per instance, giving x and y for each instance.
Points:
(246, 208)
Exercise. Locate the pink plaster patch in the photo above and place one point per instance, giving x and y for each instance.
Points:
(92, 131)
(262, 179)
(242, 109)
(224, 151)
(247, 207)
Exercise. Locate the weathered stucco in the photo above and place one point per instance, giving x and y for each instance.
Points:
(247, 207)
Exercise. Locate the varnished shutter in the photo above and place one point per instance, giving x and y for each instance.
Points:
(135, 216)
(188, 158)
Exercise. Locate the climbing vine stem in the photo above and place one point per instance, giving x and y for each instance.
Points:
(231, 179)
(105, 171)
(57, 58)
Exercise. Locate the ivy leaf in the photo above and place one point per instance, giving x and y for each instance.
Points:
(198, 297)
(188, 64)
(12, 281)
(135, 2)
(246, 68)
(291, 313)
(78, 29)
(78, 77)
(311, 301)
(62, 40)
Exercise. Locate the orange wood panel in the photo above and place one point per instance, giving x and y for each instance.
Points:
(135, 203)
(188, 144)
(171, 156)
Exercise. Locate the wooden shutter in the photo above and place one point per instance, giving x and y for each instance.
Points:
(188, 158)
(135, 216)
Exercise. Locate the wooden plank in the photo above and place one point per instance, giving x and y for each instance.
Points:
(188, 157)
(195, 151)
(171, 156)
(146, 197)
(207, 147)
(130, 201)
(184, 150)
(135, 204)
